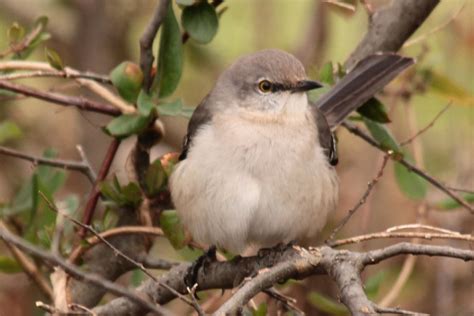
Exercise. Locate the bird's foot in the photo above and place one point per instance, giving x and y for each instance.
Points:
(190, 279)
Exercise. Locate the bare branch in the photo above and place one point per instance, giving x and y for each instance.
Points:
(384, 235)
(75, 272)
(29, 267)
(275, 265)
(406, 248)
(79, 102)
(83, 167)
(391, 26)
(147, 39)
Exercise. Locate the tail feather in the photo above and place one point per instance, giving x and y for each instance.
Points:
(367, 78)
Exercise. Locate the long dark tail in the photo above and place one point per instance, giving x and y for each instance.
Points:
(367, 78)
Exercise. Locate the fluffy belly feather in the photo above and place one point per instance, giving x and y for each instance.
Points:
(245, 184)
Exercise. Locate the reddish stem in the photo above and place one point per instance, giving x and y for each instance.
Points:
(95, 192)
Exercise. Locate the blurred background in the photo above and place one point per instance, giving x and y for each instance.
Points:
(97, 35)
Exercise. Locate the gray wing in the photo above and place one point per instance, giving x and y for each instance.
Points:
(201, 116)
(367, 78)
(326, 137)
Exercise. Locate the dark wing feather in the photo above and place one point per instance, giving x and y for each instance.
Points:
(326, 137)
(367, 78)
(201, 116)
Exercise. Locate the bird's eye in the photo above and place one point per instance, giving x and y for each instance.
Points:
(265, 86)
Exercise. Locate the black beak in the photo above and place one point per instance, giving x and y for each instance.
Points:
(306, 85)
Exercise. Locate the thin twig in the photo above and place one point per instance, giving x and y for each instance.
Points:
(361, 201)
(385, 234)
(29, 267)
(397, 311)
(82, 167)
(45, 67)
(288, 302)
(56, 74)
(90, 171)
(95, 192)
(424, 129)
(358, 132)
(79, 102)
(421, 226)
(75, 272)
(122, 230)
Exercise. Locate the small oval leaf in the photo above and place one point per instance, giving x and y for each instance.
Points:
(200, 21)
(53, 59)
(173, 229)
(411, 184)
(170, 57)
(382, 135)
(374, 110)
(126, 125)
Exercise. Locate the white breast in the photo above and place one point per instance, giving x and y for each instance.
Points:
(252, 182)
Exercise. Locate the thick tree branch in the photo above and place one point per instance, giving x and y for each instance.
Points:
(391, 26)
(275, 265)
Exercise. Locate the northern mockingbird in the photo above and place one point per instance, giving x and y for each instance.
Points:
(257, 167)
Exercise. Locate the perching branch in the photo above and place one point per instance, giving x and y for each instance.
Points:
(343, 266)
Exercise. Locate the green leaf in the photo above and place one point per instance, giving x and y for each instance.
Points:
(127, 77)
(9, 131)
(372, 285)
(326, 304)
(200, 21)
(170, 57)
(137, 277)
(126, 125)
(16, 32)
(411, 184)
(128, 195)
(261, 310)
(382, 135)
(451, 204)
(26, 199)
(175, 108)
(326, 74)
(53, 59)
(9, 265)
(375, 110)
(173, 229)
(145, 103)
(131, 194)
(155, 178)
(185, 3)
